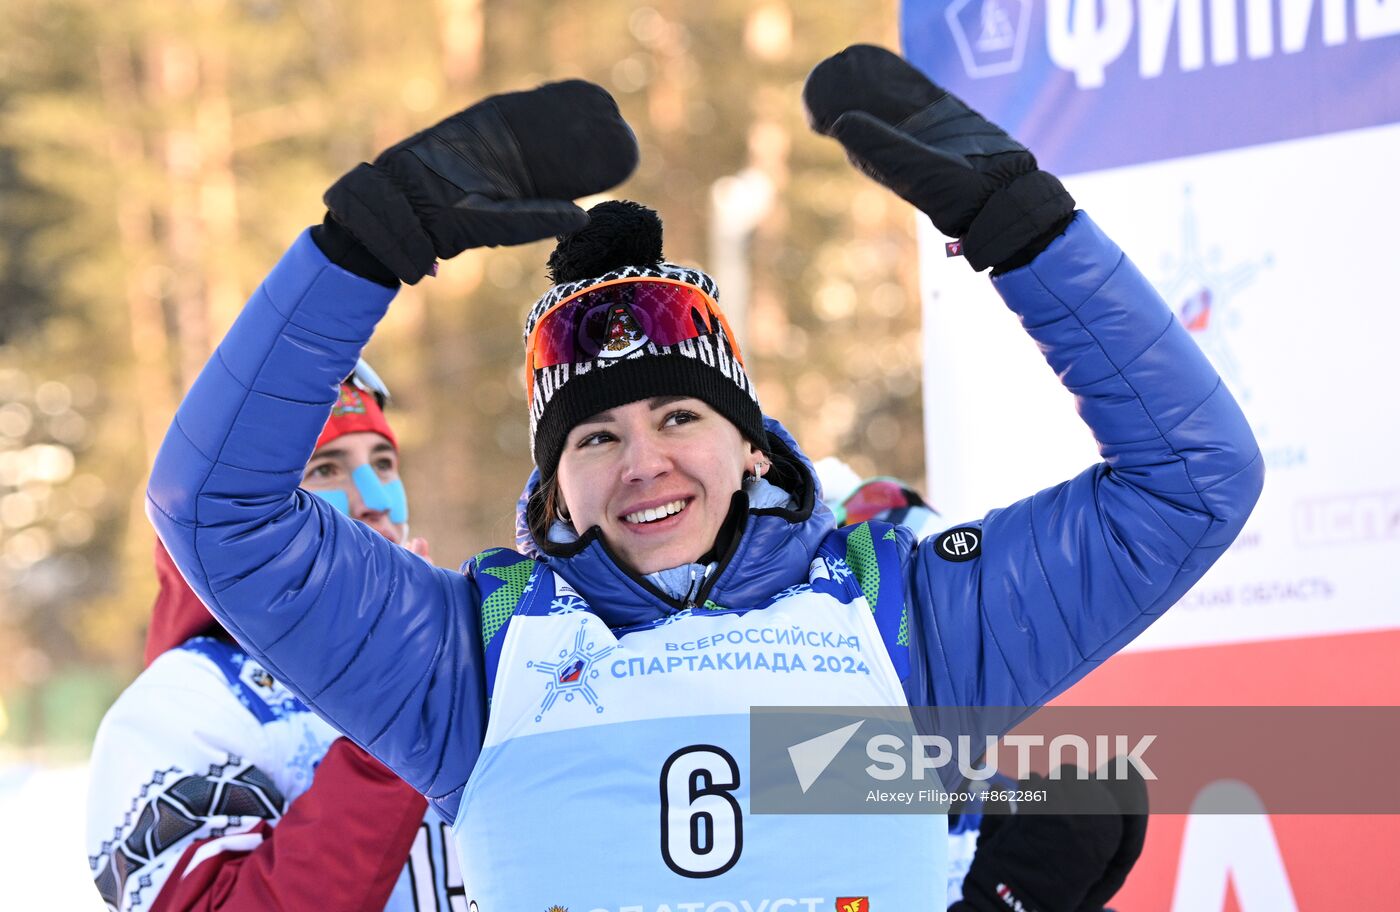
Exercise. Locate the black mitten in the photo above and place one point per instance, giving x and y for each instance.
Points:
(1046, 861)
(973, 180)
(1129, 791)
(501, 172)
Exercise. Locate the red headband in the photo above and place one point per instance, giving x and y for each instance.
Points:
(355, 410)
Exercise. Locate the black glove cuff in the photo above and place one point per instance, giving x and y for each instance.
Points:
(368, 203)
(341, 248)
(1016, 217)
(1034, 248)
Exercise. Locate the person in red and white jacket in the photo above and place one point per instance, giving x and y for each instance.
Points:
(214, 789)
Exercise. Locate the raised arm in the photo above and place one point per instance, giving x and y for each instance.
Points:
(1067, 577)
(373, 638)
(303, 587)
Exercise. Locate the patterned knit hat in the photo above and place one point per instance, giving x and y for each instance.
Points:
(622, 325)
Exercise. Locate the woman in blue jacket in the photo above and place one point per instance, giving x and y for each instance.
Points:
(578, 708)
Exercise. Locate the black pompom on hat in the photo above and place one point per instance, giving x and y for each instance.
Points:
(622, 242)
(620, 233)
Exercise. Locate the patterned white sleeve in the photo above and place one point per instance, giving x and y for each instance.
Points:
(195, 749)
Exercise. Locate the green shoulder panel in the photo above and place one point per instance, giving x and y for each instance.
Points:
(510, 573)
(902, 639)
(860, 557)
(873, 557)
(484, 556)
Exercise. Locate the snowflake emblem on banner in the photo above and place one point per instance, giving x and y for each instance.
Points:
(573, 674)
(1201, 292)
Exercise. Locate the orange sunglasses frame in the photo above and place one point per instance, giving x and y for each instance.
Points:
(710, 304)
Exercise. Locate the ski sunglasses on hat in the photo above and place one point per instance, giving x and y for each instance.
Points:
(614, 319)
(364, 378)
(873, 497)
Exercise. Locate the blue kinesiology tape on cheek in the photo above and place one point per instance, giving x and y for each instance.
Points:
(398, 501)
(379, 495)
(338, 499)
(370, 487)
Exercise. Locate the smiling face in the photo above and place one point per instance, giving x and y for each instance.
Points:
(656, 477)
(330, 469)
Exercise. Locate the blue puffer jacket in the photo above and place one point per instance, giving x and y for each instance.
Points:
(391, 650)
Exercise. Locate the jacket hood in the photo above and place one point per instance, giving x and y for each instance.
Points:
(178, 614)
(770, 549)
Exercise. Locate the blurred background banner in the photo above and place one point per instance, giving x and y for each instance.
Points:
(1094, 85)
(1242, 154)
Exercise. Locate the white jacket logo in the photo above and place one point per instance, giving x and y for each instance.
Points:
(958, 545)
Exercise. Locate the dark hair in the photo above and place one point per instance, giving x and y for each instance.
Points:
(542, 509)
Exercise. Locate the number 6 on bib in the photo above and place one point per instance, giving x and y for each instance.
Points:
(702, 825)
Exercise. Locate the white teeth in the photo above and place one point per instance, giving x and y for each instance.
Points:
(655, 513)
